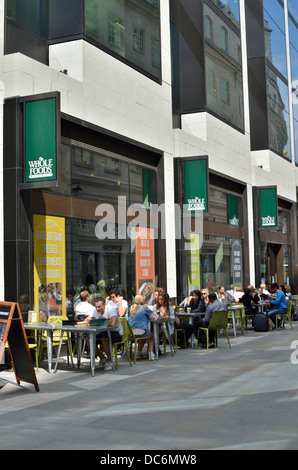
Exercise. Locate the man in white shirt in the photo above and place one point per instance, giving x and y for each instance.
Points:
(83, 309)
(115, 300)
(113, 320)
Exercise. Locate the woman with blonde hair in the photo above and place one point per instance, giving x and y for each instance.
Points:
(138, 301)
(139, 321)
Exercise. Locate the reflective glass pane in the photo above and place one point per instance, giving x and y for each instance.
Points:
(296, 140)
(294, 49)
(230, 8)
(278, 115)
(275, 41)
(30, 14)
(128, 29)
(223, 69)
(293, 8)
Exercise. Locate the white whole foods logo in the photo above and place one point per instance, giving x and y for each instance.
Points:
(41, 168)
(268, 221)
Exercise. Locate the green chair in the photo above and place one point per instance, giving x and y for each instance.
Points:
(176, 337)
(285, 315)
(124, 340)
(219, 321)
(134, 340)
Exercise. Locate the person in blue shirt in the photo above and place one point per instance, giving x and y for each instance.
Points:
(280, 303)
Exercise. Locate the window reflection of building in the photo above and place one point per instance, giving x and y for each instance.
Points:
(277, 91)
(223, 69)
(129, 28)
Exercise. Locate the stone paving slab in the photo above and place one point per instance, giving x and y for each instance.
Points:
(243, 398)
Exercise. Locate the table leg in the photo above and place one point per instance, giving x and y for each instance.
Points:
(192, 335)
(156, 338)
(170, 338)
(111, 348)
(234, 324)
(79, 347)
(50, 349)
(92, 351)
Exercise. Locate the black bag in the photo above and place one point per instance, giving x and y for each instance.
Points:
(261, 322)
(295, 315)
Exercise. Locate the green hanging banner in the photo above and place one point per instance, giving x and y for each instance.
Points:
(196, 185)
(268, 207)
(41, 136)
(233, 210)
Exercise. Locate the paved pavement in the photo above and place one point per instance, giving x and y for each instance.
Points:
(243, 398)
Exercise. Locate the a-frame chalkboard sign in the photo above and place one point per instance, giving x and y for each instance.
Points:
(12, 330)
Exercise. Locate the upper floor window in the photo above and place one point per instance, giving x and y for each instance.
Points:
(224, 39)
(208, 28)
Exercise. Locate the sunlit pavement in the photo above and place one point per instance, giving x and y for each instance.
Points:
(243, 398)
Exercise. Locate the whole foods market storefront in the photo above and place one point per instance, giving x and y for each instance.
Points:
(91, 212)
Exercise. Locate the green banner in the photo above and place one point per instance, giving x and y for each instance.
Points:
(40, 140)
(196, 187)
(233, 210)
(268, 207)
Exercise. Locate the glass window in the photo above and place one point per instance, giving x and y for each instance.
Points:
(293, 8)
(32, 15)
(224, 38)
(126, 30)
(275, 40)
(278, 115)
(230, 8)
(223, 60)
(217, 206)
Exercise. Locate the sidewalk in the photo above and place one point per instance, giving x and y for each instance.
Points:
(243, 398)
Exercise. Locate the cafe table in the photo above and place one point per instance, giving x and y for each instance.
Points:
(155, 324)
(190, 317)
(80, 330)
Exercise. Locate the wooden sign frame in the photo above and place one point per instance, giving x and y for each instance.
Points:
(12, 330)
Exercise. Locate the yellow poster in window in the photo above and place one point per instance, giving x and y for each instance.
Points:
(193, 254)
(49, 265)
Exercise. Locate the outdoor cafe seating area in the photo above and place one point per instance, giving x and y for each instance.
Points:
(61, 341)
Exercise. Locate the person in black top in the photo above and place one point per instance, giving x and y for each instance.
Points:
(248, 299)
(196, 304)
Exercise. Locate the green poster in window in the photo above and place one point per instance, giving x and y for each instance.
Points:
(195, 179)
(40, 140)
(233, 210)
(268, 207)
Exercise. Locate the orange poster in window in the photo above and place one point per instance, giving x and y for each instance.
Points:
(145, 262)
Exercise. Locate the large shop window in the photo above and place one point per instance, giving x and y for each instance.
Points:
(220, 264)
(128, 29)
(93, 178)
(223, 67)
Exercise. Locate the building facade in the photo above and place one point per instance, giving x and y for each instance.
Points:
(178, 117)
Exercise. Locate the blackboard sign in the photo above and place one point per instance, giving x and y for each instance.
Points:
(12, 330)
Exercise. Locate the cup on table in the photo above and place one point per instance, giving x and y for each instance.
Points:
(188, 309)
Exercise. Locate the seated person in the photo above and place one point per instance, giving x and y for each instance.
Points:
(83, 309)
(247, 300)
(261, 295)
(280, 305)
(188, 329)
(116, 300)
(165, 310)
(215, 305)
(113, 320)
(140, 323)
(195, 302)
